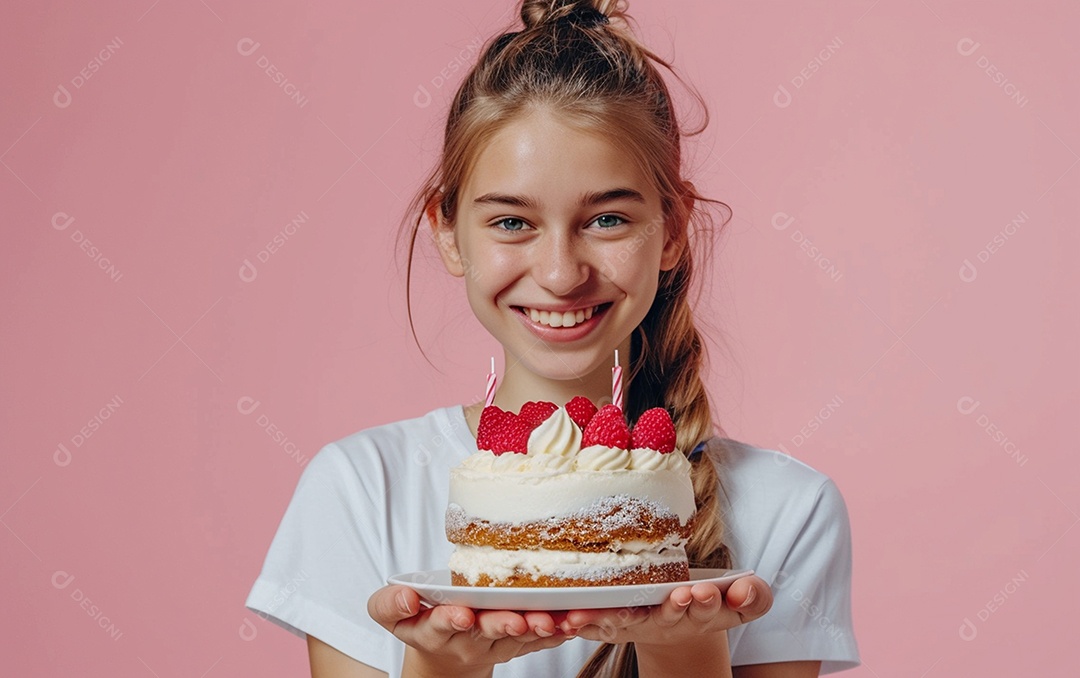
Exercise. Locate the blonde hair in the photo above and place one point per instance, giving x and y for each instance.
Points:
(580, 58)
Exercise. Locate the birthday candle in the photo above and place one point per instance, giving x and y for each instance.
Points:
(616, 383)
(490, 385)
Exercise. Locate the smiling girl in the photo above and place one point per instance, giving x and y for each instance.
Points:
(560, 201)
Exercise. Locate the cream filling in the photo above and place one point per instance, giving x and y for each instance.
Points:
(473, 561)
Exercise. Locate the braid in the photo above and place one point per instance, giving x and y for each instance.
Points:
(667, 370)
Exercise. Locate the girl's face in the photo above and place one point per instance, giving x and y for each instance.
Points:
(561, 239)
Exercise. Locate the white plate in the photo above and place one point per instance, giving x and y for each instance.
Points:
(435, 589)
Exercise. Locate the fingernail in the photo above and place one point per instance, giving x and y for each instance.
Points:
(511, 631)
(709, 600)
(749, 598)
(403, 603)
(459, 625)
(686, 604)
(543, 633)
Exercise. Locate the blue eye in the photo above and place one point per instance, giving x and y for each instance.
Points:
(510, 224)
(608, 220)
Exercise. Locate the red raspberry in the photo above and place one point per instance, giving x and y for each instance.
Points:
(581, 410)
(501, 432)
(535, 413)
(607, 428)
(491, 420)
(654, 431)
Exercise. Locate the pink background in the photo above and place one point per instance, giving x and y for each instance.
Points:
(130, 551)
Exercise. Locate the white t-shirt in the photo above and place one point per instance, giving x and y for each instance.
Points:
(373, 505)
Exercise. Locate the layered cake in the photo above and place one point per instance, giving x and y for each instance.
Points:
(570, 496)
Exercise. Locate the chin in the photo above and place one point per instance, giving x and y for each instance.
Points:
(558, 366)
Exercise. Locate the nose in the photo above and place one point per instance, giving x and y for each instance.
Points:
(560, 263)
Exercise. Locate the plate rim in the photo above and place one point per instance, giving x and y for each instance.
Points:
(538, 594)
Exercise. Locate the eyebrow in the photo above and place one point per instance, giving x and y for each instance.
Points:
(588, 199)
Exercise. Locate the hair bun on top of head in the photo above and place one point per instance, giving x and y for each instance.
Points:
(576, 12)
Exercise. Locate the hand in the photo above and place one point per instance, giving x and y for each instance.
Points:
(688, 612)
(454, 639)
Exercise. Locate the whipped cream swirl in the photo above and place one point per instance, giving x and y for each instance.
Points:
(601, 458)
(558, 435)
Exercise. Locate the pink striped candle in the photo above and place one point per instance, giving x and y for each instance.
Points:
(616, 382)
(490, 385)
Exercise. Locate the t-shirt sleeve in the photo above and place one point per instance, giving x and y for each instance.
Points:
(324, 561)
(811, 614)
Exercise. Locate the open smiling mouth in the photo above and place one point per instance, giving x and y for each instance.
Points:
(560, 320)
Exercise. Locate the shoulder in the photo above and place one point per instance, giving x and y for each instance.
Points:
(437, 428)
(378, 454)
(743, 467)
(774, 500)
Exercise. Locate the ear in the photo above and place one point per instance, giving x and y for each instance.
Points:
(675, 238)
(443, 234)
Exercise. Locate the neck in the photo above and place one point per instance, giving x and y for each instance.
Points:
(519, 384)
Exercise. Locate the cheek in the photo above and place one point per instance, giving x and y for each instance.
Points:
(633, 263)
(488, 271)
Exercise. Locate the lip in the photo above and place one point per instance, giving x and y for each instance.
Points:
(563, 334)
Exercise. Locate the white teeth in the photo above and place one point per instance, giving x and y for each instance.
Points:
(558, 319)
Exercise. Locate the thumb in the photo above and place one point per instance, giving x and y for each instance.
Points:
(392, 604)
(750, 596)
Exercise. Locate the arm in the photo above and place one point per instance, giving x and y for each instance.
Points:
(804, 669)
(326, 662)
(709, 656)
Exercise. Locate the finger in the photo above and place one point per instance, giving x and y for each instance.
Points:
(750, 596)
(707, 601)
(540, 623)
(608, 619)
(452, 618)
(497, 624)
(673, 609)
(508, 648)
(437, 626)
(392, 604)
